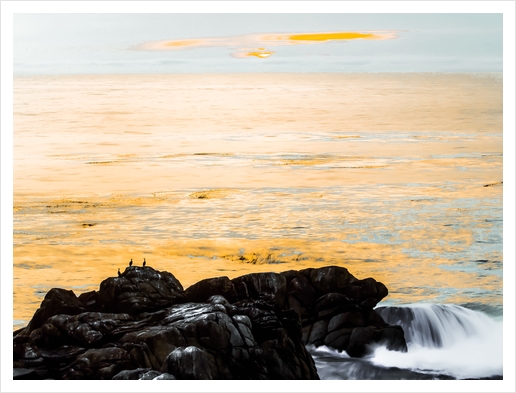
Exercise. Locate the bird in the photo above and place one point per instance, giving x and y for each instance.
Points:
(119, 274)
(144, 263)
(131, 262)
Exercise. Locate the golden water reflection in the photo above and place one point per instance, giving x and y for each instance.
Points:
(396, 177)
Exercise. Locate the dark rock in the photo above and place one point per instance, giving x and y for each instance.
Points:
(188, 363)
(359, 340)
(306, 272)
(142, 325)
(241, 288)
(375, 319)
(306, 331)
(160, 377)
(142, 374)
(218, 299)
(301, 295)
(346, 319)
(318, 333)
(290, 275)
(332, 300)
(331, 279)
(393, 338)
(366, 289)
(270, 287)
(90, 300)
(156, 341)
(265, 322)
(279, 337)
(101, 363)
(83, 329)
(56, 301)
(339, 339)
(24, 373)
(140, 289)
(244, 326)
(204, 289)
(362, 338)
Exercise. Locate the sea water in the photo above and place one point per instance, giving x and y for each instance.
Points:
(393, 176)
(444, 341)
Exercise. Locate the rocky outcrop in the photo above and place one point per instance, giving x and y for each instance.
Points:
(337, 310)
(56, 301)
(143, 325)
(139, 290)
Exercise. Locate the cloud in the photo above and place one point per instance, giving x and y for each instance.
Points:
(254, 45)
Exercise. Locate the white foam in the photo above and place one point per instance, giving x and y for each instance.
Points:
(471, 346)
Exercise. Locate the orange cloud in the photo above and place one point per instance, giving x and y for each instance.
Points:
(261, 53)
(258, 42)
(182, 43)
(335, 36)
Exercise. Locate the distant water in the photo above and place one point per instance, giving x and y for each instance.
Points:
(393, 176)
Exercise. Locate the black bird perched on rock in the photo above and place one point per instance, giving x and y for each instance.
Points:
(131, 262)
(144, 263)
(119, 274)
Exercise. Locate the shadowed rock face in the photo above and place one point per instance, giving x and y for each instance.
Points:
(204, 289)
(269, 287)
(56, 301)
(143, 325)
(336, 309)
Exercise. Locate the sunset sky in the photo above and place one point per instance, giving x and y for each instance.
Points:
(254, 42)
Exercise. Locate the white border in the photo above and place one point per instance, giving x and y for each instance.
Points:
(287, 7)
(7, 11)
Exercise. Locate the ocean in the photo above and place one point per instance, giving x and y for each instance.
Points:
(398, 177)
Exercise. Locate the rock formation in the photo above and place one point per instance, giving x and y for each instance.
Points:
(143, 325)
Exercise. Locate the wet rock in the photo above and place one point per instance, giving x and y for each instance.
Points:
(393, 338)
(331, 279)
(269, 287)
(204, 289)
(24, 373)
(318, 333)
(301, 294)
(218, 299)
(339, 338)
(142, 374)
(56, 301)
(359, 339)
(366, 290)
(188, 363)
(142, 325)
(362, 338)
(244, 326)
(140, 289)
(90, 300)
(330, 301)
(346, 319)
(279, 338)
(154, 343)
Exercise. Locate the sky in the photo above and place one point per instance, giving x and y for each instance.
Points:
(116, 43)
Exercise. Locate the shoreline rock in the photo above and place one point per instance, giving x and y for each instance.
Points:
(144, 325)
